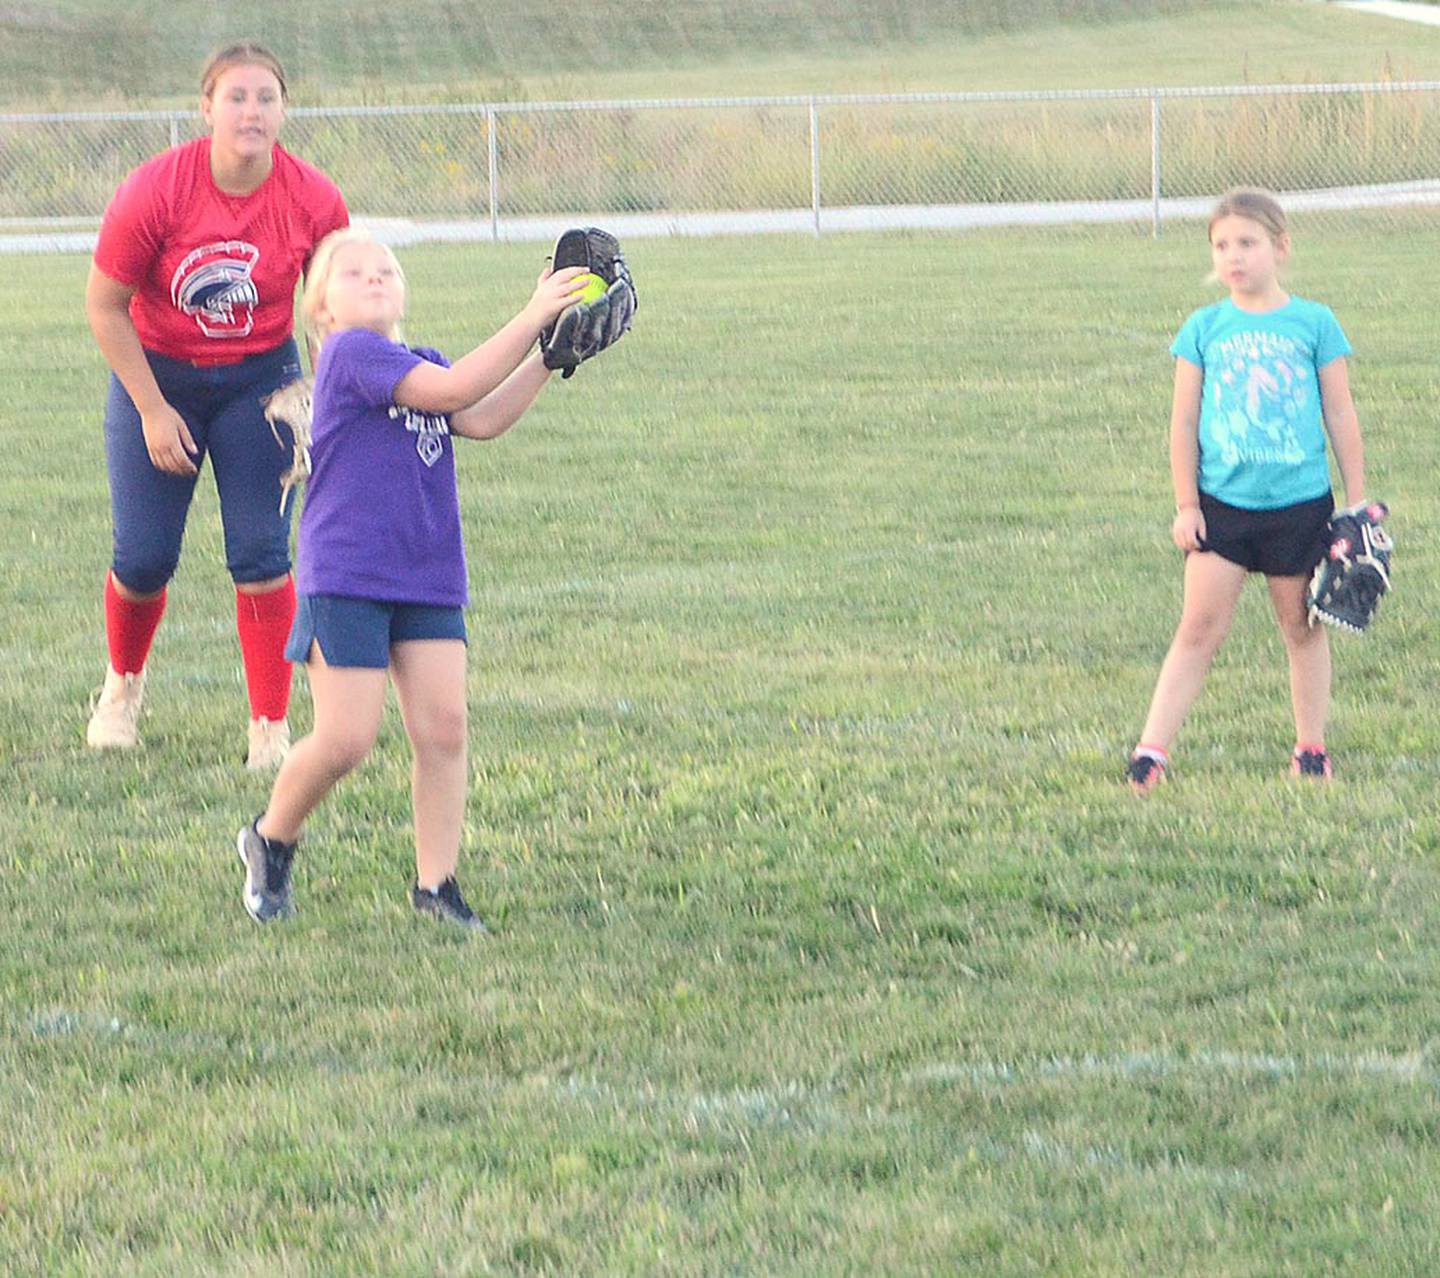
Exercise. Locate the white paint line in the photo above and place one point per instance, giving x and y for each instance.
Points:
(800, 1108)
(1408, 1069)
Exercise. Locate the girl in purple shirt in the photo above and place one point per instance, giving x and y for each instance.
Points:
(382, 577)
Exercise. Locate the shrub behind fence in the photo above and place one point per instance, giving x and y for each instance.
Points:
(1134, 154)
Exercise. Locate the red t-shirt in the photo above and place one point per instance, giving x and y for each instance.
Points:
(214, 274)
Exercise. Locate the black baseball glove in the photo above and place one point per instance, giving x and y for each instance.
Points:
(583, 330)
(1355, 572)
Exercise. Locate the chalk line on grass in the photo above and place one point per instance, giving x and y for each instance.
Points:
(804, 1110)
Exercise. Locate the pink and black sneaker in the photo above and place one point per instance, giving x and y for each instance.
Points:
(1145, 770)
(1311, 761)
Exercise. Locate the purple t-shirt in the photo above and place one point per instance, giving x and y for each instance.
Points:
(382, 515)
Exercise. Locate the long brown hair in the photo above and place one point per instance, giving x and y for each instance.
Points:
(244, 53)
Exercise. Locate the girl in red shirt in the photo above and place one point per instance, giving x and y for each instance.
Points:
(191, 298)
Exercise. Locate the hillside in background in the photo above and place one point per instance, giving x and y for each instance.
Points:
(104, 53)
(141, 48)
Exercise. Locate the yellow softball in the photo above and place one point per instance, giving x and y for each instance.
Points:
(592, 287)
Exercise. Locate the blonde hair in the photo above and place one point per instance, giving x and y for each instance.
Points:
(244, 53)
(1259, 206)
(317, 278)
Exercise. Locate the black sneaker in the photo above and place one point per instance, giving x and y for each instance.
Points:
(1144, 772)
(1311, 763)
(267, 874)
(446, 903)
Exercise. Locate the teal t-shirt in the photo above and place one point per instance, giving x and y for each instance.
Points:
(1262, 435)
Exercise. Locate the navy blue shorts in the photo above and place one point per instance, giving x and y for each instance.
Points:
(360, 632)
(1287, 542)
(222, 409)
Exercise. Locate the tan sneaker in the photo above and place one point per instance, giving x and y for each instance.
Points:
(117, 711)
(269, 744)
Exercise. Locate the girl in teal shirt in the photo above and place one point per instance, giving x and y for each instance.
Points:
(1260, 381)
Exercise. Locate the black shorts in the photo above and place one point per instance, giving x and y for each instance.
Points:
(1287, 542)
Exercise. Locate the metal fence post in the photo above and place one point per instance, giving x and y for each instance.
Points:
(815, 165)
(493, 160)
(670, 189)
(1155, 165)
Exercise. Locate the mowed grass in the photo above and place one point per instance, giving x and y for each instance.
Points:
(809, 630)
(148, 52)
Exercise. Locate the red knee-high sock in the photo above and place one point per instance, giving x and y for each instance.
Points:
(264, 624)
(130, 626)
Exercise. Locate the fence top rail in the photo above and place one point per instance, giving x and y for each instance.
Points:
(787, 100)
(984, 95)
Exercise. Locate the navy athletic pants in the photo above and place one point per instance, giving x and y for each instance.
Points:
(222, 407)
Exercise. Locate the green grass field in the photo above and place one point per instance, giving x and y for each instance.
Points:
(810, 629)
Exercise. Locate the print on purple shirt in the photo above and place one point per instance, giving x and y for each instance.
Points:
(382, 513)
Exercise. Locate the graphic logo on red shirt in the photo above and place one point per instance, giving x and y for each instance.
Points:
(215, 285)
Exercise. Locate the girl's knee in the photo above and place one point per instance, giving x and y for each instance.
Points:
(262, 560)
(1300, 635)
(257, 535)
(342, 752)
(144, 577)
(1201, 632)
(441, 736)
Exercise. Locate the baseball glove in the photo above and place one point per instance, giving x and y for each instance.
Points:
(583, 330)
(1355, 572)
(291, 405)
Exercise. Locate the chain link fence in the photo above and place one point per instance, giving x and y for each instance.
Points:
(502, 171)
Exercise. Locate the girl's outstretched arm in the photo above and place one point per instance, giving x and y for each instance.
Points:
(433, 389)
(1343, 426)
(505, 405)
(1189, 527)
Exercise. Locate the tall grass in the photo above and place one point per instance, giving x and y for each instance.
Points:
(723, 159)
(759, 156)
(810, 628)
